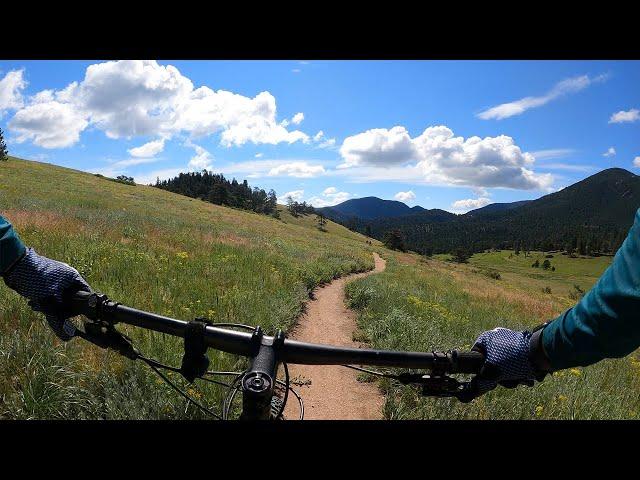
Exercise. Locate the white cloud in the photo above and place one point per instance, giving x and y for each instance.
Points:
(322, 141)
(463, 206)
(552, 153)
(163, 174)
(258, 155)
(297, 118)
(567, 166)
(330, 196)
(149, 149)
(297, 169)
(133, 98)
(49, 124)
(405, 196)
(560, 89)
(480, 192)
(202, 159)
(378, 147)
(438, 157)
(610, 152)
(296, 196)
(11, 87)
(625, 116)
(132, 162)
(636, 162)
(240, 119)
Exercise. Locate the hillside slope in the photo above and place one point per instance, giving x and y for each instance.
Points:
(156, 251)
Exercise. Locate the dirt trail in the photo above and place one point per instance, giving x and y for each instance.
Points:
(334, 393)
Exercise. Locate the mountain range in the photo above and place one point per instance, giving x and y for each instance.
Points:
(595, 212)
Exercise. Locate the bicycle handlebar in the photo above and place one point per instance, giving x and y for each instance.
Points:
(98, 307)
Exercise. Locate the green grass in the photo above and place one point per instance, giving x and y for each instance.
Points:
(155, 251)
(182, 257)
(517, 272)
(424, 305)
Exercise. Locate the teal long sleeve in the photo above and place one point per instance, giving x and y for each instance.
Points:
(606, 322)
(11, 247)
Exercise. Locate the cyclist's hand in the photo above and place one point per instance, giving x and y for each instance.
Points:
(44, 282)
(507, 360)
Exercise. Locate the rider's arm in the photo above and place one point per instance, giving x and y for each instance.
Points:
(606, 322)
(11, 248)
(43, 281)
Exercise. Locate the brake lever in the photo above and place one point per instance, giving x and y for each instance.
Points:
(106, 336)
(439, 386)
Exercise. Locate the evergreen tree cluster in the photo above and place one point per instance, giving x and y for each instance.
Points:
(299, 208)
(215, 188)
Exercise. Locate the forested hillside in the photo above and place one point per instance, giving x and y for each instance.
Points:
(591, 216)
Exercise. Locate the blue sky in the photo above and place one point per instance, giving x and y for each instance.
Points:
(454, 135)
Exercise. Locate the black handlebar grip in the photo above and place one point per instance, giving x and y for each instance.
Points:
(468, 362)
(80, 303)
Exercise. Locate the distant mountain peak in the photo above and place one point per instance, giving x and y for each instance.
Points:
(368, 208)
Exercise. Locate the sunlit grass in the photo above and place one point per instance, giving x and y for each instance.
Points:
(424, 305)
(155, 251)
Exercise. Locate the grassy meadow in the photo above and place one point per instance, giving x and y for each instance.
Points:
(182, 257)
(156, 251)
(422, 304)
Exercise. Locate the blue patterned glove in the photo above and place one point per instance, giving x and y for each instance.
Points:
(506, 360)
(44, 282)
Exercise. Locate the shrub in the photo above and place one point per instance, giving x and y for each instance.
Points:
(492, 273)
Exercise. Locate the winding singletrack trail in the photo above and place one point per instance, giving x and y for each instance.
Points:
(334, 392)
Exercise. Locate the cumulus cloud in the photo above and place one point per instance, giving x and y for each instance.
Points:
(297, 169)
(463, 206)
(149, 149)
(11, 87)
(330, 196)
(202, 159)
(134, 98)
(560, 89)
(258, 155)
(379, 147)
(297, 118)
(622, 116)
(405, 196)
(48, 124)
(296, 196)
(610, 152)
(437, 156)
(636, 162)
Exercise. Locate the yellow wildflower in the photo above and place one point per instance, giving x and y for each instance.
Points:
(182, 255)
(539, 410)
(576, 372)
(562, 398)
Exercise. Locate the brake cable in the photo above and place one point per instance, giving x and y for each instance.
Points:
(106, 336)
